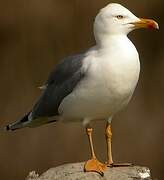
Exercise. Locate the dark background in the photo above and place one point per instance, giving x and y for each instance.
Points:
(34, 36)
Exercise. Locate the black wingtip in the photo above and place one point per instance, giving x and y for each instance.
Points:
(4, 129)
(17, 124)
(7, 128)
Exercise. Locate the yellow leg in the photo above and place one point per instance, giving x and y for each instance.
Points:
(109, 149)
(109, 144)
(93, 165)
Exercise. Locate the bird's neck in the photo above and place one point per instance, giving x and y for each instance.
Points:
(109, 41)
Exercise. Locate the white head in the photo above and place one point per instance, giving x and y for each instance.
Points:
(116, 19)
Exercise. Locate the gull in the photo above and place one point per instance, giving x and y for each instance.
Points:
(94, 85)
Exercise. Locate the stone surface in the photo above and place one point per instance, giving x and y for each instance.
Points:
(75, 171)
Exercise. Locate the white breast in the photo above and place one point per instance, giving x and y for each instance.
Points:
(109, 85)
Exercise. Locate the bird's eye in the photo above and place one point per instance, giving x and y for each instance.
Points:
(119, 17)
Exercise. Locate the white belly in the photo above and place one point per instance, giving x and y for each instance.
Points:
(106, 89)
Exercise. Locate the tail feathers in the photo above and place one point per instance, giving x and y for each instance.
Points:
(17, 124)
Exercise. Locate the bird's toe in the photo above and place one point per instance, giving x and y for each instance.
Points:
(93, 165)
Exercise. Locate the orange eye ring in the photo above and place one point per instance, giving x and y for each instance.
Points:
(119, 17)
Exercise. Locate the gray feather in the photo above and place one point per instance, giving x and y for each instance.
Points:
(60, 83)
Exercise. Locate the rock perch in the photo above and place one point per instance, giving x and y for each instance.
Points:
(74, 171)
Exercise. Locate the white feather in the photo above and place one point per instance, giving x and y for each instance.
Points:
(112, 69)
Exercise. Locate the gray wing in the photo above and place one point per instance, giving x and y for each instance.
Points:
(60, 83)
